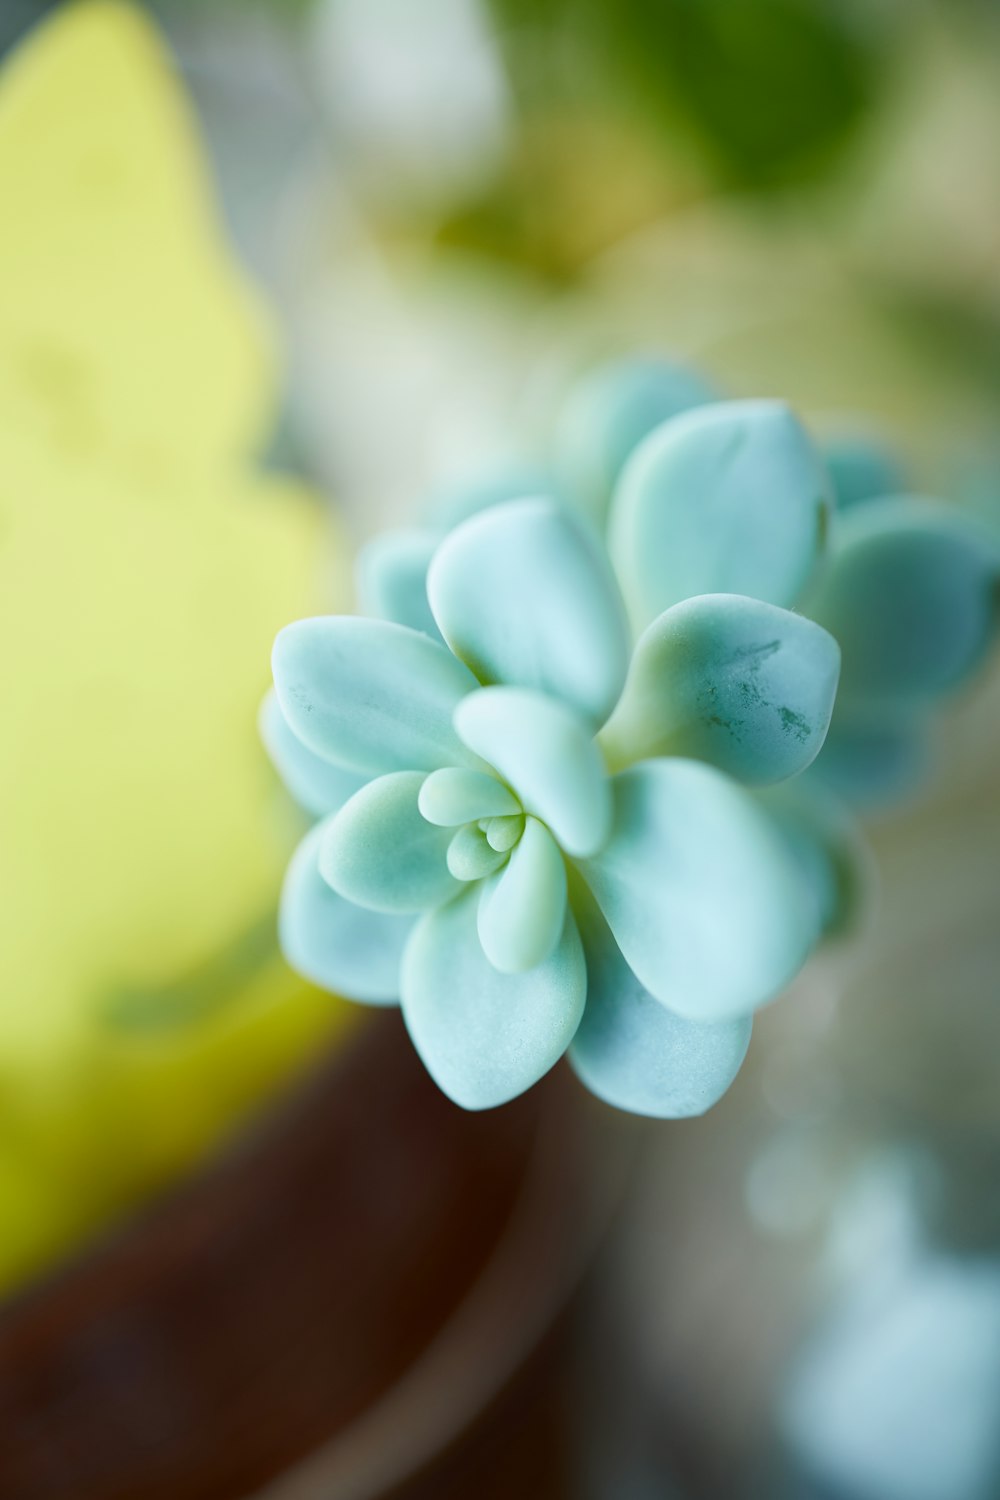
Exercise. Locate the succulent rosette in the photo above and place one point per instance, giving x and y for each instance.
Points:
(539, 824)
(574, 784)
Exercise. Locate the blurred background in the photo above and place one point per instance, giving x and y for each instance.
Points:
(272, 274)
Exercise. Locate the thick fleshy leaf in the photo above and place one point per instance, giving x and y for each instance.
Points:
(730, 499)
(912, 596)
(607, 415)
(701, 893)
(471, 856)
(503, 833)
(369, 694)
(873, 759)
(831, 853)
(522, 910)
(524, 594)
(380, 852)
(484, 1036)
(634, 1053)
(456, 795)
(339, 946)
(549, 758)
(391, 574)
(744, 685)
(317, 785)
(862, 468)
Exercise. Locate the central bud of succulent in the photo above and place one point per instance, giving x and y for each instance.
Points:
(487, 815)
(533, 792)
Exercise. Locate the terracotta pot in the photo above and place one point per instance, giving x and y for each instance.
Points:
(324, 1312)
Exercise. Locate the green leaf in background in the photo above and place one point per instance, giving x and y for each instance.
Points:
(770, 89)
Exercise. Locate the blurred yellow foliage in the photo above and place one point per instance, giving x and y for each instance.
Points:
(144, 569)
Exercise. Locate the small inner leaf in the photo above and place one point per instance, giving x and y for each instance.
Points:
(503, 833)
(548, 755)
(522, 911)
(456, 795)
(470, 856)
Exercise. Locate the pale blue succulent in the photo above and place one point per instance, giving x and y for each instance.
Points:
(538, 829)
(560, 780)
(912, 593)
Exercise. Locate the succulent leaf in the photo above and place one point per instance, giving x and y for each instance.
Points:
(701, 893)
(913, 596)
(732, 498)
(526, 597)
(485, 1036)
(380, 851)
(457, 794)
(471, 856)
(335, 943)
(523, 908)
(743, 685)
(370, 695)
(317, 785)
(607, 415)
(391, 574)
(547, 756)
(862, 468)
(874, 759)
(634, 1053)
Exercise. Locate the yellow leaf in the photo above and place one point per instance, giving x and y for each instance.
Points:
(126, 333)
(144, 570)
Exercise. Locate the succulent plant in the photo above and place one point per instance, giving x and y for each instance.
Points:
(549, 839)
(561, 787)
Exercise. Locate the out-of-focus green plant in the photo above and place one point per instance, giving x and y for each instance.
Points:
(772, 90)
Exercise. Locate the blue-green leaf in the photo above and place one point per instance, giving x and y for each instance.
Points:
(457, 794)
(634, 1053)
(380, 852)
(524, 594)
(503, 833)
(874, 759)
(391, 572)
(912, 596)
(333, 943)
(606, 416)
(731, 498)
(829, 848)
(484, 1036)
(549, 758)
(744, 685)
(701, 892)
(369, 694)
(471, 856)
(317, 785)
(862, 468)
(522, 910)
